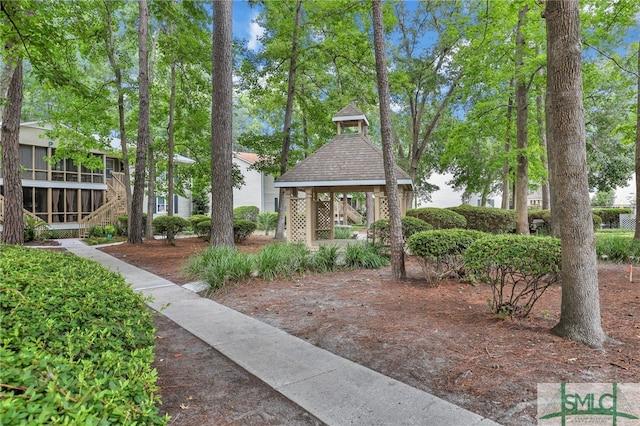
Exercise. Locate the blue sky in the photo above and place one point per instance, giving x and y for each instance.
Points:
(243, 27)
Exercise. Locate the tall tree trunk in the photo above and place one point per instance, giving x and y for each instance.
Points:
(13, 221)
(637, 231)
(395, 225)
(288, 117)
(117, 71)
(221, 127)
(542, 133)
(171, 143)
(144, 136)
(506, 184)
(580, 307)
(522, 113)
(151, 194)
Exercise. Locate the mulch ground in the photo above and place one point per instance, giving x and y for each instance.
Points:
(440, 339)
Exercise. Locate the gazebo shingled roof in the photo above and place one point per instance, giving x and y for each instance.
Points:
(347, 160)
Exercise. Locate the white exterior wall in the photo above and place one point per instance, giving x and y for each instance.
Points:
(258, 189)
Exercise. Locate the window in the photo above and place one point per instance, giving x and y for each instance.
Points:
(161, 205)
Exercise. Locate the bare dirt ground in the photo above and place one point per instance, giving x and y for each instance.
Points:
(443, 340)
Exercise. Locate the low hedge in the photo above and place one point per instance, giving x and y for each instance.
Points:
(246, 213)
(381, 233)
(439, 218)
(241, 229)
(519, 268)
(169, 226)
(611, 216)
(488, 219)
(77, 343)
(545, 216)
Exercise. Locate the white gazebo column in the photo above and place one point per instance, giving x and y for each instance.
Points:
(332, 215)
(344, 209)
(376, 203)
(290, 224)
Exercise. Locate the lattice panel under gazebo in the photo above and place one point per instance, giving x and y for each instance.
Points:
(384, 208)
(298, 224)
(323, 220)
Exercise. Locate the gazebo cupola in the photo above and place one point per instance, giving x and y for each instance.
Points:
(350, 117)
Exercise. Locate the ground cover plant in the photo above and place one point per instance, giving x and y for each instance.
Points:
(77, 343)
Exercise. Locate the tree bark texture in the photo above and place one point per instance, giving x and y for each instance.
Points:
(221, 127)
(144, 136)
(637, 231)
(522, 114)
(580, 307)
(395, 224)
(13, 231)
(288, 117)
(506, 168)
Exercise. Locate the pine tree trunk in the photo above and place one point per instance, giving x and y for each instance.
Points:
(288, 117)
(637, 231)
(13, 221)
(144, 136)
(395, 225)
(522, 114)
(506, 184)
(580, 307)
(221, 128)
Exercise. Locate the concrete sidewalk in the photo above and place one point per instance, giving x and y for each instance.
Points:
(333, 389)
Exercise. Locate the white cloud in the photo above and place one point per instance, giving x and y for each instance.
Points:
(255, 32)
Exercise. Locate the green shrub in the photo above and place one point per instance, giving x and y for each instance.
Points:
(364, 256)
(169, 226)
(380, 229)
(242, 229)
(96, 232)
(282, 260)
(110, 230)
(611, 216)
(536, 216)
(202, 227)
(439, 218)
(488, 219)
(440, 251)
(195, 219)
(77, 343)
(267, 221)
(33, 227)
(518, 268)
(218, 266)
(249, 213)
(123, 223)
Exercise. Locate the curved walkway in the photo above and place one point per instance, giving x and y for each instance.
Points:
(333, 389)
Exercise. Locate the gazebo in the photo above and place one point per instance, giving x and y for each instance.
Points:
(350, 162)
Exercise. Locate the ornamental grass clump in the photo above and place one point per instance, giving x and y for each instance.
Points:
(282, 260)
(519, 268)
(218, 266)
(77, 343)
(364, 256)
(440, 251)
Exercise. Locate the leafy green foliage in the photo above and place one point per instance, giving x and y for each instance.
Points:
(365, 256)
(341, 232)
(267, 221)
(381, 233)
(282, 260)
(77, 343)
(617, 248)
(487, 219)
(123, 223)
(439, 218)
(325, 259)
(518, 268)
(218, 266)
(33, 226)
(440, 251)
(246, 213)
(169, 226)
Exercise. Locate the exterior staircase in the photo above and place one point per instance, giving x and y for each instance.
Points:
(108, 213)
(352, 214)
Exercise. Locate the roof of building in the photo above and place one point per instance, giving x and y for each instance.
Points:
(249, 157)
(347, 160)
